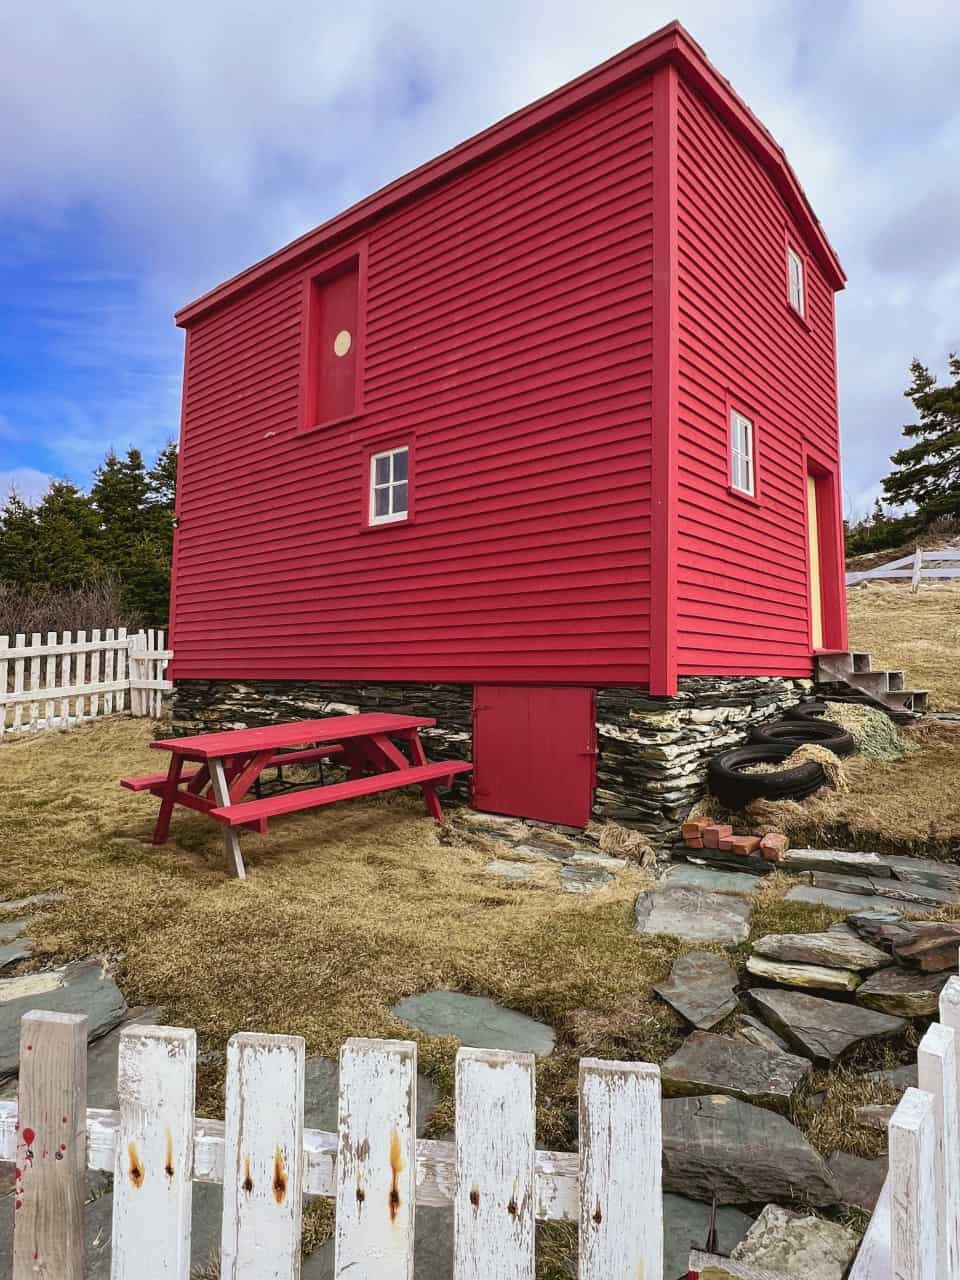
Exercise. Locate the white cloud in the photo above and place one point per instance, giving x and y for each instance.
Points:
(27, 483)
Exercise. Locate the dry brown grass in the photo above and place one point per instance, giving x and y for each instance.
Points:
(345, 911)
(918, 634)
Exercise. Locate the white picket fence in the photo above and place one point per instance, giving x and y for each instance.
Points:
(65, 678)
(914, 1233)
(922, 566)
(374, 1168)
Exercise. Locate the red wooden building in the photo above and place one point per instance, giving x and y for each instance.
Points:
(553, 415)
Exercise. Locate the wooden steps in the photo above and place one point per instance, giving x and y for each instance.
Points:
(849, 676)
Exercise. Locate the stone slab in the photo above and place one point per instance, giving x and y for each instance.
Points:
(24, 904)
(756, 1032)
(13, 952)
(685, 873)
(583, 879)
(806, 1246)
(711, 1064)
(859, 1181)
(845, 901)
(685, 1227)
(504, 869)
(897, 1077)
(906, 995)
(921, 894)
(822, 1030)
(11, 929)
(701, 988)
(875, 1115)
(811, 976)
(693, 914)
(741, 1153)
(838, 861)
(476, 1021)
(81, 987)
(837, 947)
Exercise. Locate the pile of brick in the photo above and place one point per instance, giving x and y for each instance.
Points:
(704, 833)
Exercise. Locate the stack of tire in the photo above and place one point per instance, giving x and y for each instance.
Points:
(769, 744)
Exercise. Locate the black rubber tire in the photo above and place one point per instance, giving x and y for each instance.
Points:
(735, 789)
(822, 732)
(806, 711)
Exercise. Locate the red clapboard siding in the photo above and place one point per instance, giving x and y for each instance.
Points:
(508, 339)
(741, 568)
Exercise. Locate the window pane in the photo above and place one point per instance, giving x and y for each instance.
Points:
(399, 492)
(400, 459)
(381, 502)
(382, 469)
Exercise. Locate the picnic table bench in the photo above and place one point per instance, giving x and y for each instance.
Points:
(230, 763)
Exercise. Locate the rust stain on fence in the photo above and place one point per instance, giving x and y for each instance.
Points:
(137, 1173)
(396, 1167)
(247, 1180)
(168, 1162)
(279, 1177)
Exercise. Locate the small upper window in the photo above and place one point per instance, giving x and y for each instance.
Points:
(389, 485)
(795, 282)
(741, 452)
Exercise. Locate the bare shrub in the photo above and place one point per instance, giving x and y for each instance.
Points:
(27, 610)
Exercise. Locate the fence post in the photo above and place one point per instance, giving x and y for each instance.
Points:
(152, 1185)
(621, 1201)
(917, 570)
(937, 1070)
(494, 1223)
(913, 1246)
(376, 1160)
(263, 1158)
(51, 1147)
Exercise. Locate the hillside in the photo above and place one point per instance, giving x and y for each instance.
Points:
(918, 634)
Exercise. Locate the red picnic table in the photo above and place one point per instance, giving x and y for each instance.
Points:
(230, 763)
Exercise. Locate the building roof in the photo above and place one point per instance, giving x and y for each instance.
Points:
(671, 44)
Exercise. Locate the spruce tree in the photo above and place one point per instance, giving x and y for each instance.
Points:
(928, 471)
(67, 535)
(18, 542)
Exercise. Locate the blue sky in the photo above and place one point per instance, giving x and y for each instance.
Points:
(150, 150)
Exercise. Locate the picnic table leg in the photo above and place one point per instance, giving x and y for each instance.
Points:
(430, 797)
(231, 841)
(168, 800)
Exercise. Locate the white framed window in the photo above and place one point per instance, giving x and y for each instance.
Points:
(389, 486)
(741, 452)
(795, 282)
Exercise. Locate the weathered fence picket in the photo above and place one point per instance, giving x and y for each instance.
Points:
(373, 1168)
(920, 566)
(46, 684)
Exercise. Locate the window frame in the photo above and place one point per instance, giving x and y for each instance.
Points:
(373, 452)
(736, 411)
(794, 255)
(318, 271)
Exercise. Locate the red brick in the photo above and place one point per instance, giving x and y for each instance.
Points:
(774, 845)
(744, 845)
(713, 834)
(694, 826)
(694, 842)
(726, 843)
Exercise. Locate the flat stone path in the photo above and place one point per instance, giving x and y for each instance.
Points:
(475, 1021)
(695, 915)
(701, 988)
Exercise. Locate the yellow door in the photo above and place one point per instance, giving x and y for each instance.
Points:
(813, 550)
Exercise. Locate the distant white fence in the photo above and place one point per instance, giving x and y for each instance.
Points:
(914, 1233)
(64, 679)
(922, 566)
(374, 1168)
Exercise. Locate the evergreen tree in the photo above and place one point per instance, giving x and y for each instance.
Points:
(928, 472)
(18, 542)
(119, 495)
(67, 535)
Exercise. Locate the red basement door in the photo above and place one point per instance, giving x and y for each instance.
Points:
(534, 752)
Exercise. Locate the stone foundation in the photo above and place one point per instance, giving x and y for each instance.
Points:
(652, 766)
(653, 752)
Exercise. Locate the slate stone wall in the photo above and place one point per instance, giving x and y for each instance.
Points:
(653, 751)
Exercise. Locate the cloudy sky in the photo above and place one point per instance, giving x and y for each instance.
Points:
(151, 149)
